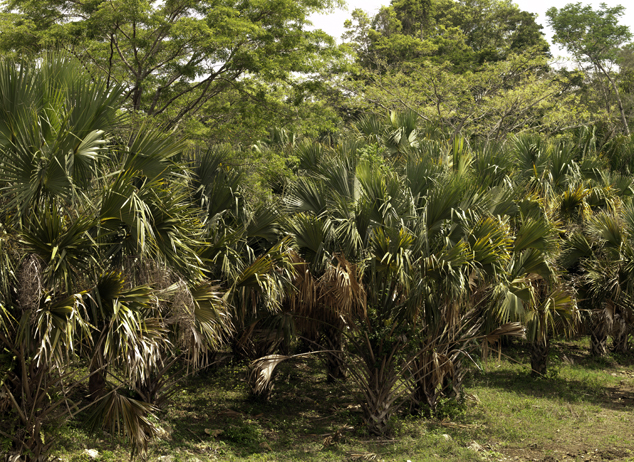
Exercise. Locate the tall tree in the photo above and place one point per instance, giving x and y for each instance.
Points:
(594, 38)
(465, 33)
(173, 56)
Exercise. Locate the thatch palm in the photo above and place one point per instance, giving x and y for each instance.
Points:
(80, 226)
(243, 249)
(415, 255)
(608, 275)
(50, 140)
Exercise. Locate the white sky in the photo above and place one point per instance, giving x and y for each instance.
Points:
(333, 23)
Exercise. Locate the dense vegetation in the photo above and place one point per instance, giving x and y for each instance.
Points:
(194, 177)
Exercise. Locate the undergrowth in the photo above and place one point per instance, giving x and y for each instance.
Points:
(582, 410)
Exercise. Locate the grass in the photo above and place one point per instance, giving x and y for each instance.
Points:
(581, 411)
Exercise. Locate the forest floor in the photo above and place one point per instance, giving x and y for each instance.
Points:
(583, 410)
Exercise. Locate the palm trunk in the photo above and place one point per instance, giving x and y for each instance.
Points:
(379, 403)
(621, 336)
(97, 379)
(96, 384)
(539, 357)
(335, 362)
(378, 379)
(598, 345)
(434, 376)
(599, 328)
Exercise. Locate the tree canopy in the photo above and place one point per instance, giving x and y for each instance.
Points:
(595, 38)
(465, 33)
(174, 56)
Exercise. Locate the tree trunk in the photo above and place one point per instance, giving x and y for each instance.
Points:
(599, 329)
(618, 98)
(378, 382)
(621, 335)
(598, 344)
(378, 406)
(539, 357)
(97, 380)
(335, 362)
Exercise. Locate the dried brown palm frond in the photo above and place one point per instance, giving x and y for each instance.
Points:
(436, 371)
(432, 373)
(121, 415)
(511, 329)
(337, 294)
(305, 296)
(30, 285)
(363, 456)
(198, 318)
(341, 291)
(262, 372)
(334, 438)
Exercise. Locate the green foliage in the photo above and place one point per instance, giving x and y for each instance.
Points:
(441, 219)
(589, 34)
(464, 34)
(180, 58)
(594, 38)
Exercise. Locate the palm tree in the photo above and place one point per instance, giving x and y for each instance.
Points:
(51, 140)
(414, 252)
(100, 237)
(608, 272)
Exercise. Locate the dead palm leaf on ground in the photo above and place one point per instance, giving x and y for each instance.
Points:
(262, 372)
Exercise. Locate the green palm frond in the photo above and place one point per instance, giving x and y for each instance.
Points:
(54, 120)
(573, 202)
(531, 153)
(462, 157)
(557, 313)
(628, 218)
(54, 327)
(149, 153)
(492, 164)
(450, 266)
(131, 336)
(512, 300)
(307, 195)
(609, 229)
(64, 245)
(371, 127)
(421, 171)
(440, 204)
(491, 244)
(211, 314)
(391, 249)
(263, 224)
(577, 248)
(310, 156)
(216, 182)
(535, 233)
(562, 164)
(530, 262)
(340, 179)
(312, 236)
